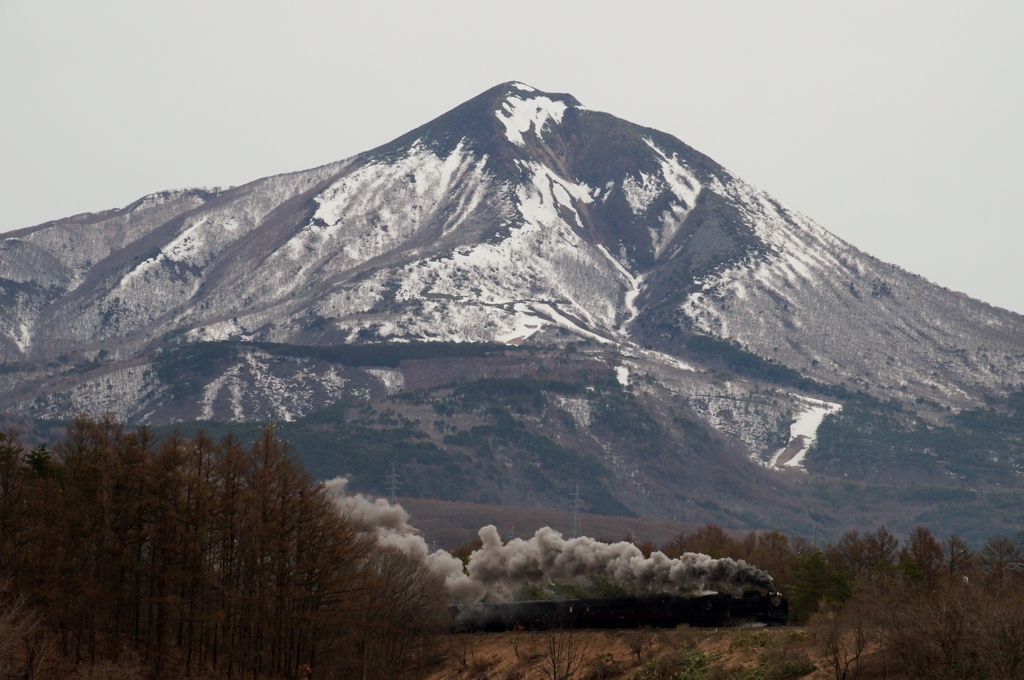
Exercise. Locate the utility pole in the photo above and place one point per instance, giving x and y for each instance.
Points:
(577, 528)
(393, 484)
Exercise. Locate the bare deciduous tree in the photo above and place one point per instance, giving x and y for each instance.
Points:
(638, 641)
(564, 650)
(843, 633)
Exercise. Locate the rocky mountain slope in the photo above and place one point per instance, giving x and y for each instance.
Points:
(518, 222)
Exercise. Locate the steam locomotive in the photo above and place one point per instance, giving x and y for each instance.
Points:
(657, 611)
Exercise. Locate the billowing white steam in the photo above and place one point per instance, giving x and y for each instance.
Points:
(498, 570)
(391, 524)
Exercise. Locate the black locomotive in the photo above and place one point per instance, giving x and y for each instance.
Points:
(657, 611)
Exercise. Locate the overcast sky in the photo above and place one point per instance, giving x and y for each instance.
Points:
(896, 125)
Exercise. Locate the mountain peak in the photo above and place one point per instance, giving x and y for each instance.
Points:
(524, 109)
(522, 91)
(522, 87)
(516, 88)
(504, 112)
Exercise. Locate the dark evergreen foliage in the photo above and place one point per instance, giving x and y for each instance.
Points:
(734, 358)
(979, 446)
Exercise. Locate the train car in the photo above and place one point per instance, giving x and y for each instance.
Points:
(657, 611)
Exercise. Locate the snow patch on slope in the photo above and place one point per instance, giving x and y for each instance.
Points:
(196, 245)
(519, 115)
(580, 409)
(526, 323)
(640, 195)
(221, 330)
(684, 186)
(635, 284)
(561, 320)
(803, 432)
(392, 378)
(213, 389)
(734, 409)
(189, 242)
(23, 338)
(637, 352)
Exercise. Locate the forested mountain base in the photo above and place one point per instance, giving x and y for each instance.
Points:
(526, 425)
(530, 440)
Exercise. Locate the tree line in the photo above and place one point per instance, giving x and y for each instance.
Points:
(194, 557)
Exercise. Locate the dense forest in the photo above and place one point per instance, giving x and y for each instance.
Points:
(126, 556)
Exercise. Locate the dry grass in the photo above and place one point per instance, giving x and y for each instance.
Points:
(750, 654)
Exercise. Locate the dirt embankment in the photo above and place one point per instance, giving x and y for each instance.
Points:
(646, 654)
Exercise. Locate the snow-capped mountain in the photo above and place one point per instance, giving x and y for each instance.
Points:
(520, 218)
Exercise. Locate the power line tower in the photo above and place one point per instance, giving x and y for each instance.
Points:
(393, 484)
(577, 528)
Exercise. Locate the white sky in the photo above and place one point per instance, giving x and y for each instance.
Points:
(899, 126)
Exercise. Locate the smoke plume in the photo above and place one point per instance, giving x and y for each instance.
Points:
(499, 570)
(390, 523)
